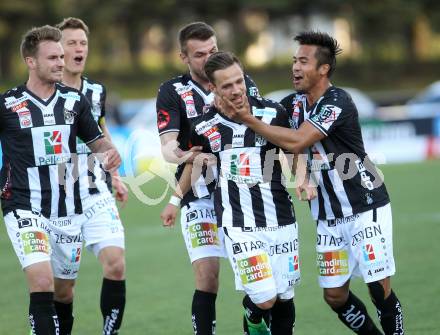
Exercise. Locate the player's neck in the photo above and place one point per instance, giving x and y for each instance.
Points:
(41, 89)
(200, 81)
(73, 80)
(317, 91)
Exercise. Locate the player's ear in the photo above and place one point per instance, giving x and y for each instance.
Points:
(323, 69)
(30, 62)
(184, 57)
(211, 87)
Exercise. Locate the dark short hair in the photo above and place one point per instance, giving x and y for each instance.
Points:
(194, 31)
(32, 39)
(218, 61)
(328, 47)
(73, 23)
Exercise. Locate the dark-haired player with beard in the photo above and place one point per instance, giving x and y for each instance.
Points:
(352, 210)
(180, 102)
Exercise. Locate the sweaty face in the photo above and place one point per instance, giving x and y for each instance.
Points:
(197, 53)
(229, 83)
(75, 44)
(304, 68)
(49, 62)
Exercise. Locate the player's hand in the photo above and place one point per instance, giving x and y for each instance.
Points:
(168, 215)
(121, 191)
(188, 156)
(309, 190)
(235, 112)
(112, 160)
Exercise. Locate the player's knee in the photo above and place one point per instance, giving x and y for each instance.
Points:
(64, 290)
(207, 280)
(267, 304)
(42, 284)
(335, 298)
(377, 292)
(114, 268)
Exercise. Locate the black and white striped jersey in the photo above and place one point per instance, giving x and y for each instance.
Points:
(348, 181)
(94, 179)
(38, 138)
(179, 102)
(251, 188)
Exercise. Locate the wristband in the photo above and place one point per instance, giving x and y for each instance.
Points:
(174, 201)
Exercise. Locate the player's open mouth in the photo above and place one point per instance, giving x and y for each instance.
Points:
(78, 59)
(297, 79)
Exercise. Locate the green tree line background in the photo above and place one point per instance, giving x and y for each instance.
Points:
(395, 44)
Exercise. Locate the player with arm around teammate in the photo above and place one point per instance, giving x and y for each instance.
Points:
(352, 209)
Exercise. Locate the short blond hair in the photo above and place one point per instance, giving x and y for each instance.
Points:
(32, 39)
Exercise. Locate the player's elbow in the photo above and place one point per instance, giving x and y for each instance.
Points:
(296, 147)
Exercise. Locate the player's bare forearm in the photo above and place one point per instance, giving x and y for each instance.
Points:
(284, 138)
(184, 183)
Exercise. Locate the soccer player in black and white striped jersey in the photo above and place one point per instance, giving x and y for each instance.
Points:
(102, 230)
(39, 123)
(352, 208)
(180, 101)
(253, 207)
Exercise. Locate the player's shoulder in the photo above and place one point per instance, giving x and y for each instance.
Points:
(93, 83)
(170, 85)
(263, 103)
(13, 92)
(68, 92)
(338, 97)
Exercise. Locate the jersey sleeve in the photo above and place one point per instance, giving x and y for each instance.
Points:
(88, 130)
(331, 114)
(168, 110)
(252, 89)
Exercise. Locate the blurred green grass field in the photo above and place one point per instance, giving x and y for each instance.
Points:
(160, 282)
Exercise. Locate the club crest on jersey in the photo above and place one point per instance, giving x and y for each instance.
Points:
(190, 108)
(260, 140)
(327, 115)
(69, 116)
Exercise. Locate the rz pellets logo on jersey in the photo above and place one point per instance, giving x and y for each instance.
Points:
(242, 166)
(254, 268)
(51, 144)
(203, 234)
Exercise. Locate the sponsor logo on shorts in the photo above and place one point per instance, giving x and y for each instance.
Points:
(102, 203)
(61, 222)
(366, 233)
(200, 214)
(328, 240)
(76, 255)
(203, 234)
(254, 268)
(293, 264)
(68, 239)
(35, 241)
(368, 252)
(24, 223)
(332, 263)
